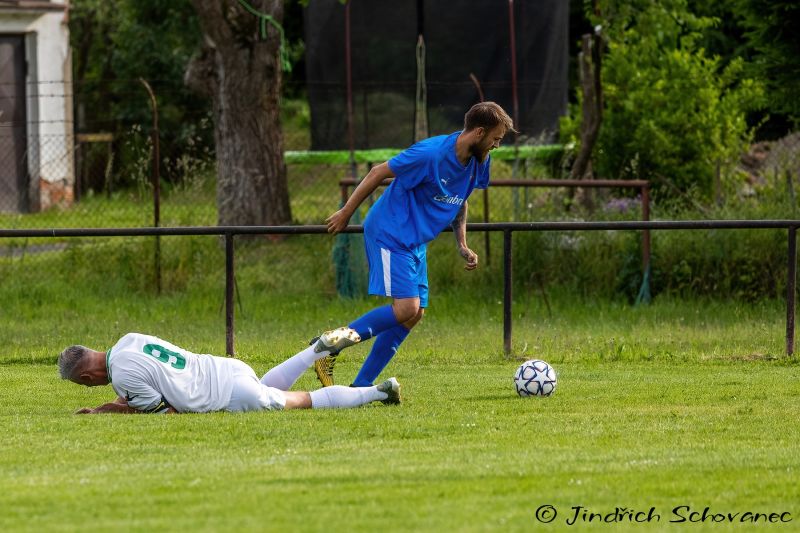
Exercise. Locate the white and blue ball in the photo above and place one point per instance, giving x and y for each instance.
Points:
(535, 378)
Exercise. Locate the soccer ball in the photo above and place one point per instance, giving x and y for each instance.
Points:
(535, 378)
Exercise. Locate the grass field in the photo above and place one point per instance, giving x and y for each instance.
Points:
(680, 403)
(675, 404)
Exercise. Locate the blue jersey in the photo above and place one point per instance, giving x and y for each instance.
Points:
(429, 189)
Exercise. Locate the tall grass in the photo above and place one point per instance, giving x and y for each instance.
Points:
(103, 288)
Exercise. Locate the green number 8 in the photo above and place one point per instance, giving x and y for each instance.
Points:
(164, 355)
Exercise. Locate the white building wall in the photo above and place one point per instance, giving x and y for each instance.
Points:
(49, 102)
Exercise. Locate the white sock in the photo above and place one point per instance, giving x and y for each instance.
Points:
(285, 374)
(341, 396)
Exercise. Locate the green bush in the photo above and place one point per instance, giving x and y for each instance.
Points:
(745, 265)
(671, 111)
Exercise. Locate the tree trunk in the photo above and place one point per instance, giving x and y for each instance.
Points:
(592, 109)
(240, 71)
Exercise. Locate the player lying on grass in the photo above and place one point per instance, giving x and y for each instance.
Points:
(433, 180)
(151, 375)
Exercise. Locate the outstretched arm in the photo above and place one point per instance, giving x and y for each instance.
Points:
(460, 231)
(111, 407)
(338, 221)
(120, 405)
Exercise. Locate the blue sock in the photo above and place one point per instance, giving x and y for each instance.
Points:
(371, 324)
(383, 350)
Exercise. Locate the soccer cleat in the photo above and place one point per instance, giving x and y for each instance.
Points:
(336, 340)
(392, 388)
(324, 369)
(332, 342)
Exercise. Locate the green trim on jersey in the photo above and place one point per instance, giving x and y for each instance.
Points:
(108, 367)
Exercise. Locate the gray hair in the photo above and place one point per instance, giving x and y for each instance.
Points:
(69, 359)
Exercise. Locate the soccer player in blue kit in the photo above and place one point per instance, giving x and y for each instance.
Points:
(432, 182)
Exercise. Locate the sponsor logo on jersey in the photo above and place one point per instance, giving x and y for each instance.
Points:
(455, 200)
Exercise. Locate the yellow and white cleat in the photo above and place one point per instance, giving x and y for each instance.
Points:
(333, 342)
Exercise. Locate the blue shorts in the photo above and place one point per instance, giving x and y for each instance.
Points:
(397, 273)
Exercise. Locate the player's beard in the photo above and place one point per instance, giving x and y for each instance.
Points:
(478, 151)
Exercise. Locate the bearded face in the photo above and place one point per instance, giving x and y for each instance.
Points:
(488, 141)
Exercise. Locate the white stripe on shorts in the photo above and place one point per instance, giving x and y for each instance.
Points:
(386, 259)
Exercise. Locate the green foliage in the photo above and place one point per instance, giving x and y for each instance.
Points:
(771, 30)
(762, 34)
(726, 37)
(743, 265)
(115, 44)
(671, 111)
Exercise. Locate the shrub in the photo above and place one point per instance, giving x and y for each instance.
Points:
(671, 111)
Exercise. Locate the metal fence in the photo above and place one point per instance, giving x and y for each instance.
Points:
(642, 186)
(230, 232)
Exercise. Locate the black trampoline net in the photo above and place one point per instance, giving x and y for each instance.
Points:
(467, 56)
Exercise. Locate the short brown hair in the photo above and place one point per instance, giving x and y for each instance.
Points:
(487, 115)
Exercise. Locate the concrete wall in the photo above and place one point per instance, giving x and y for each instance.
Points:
(49, 98)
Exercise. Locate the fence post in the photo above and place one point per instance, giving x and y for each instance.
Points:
(507, 291)
(646, 218)
(486, 220)
(229, 281)
(791, 284)
(78, 150)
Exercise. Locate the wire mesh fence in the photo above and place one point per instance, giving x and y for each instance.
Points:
(74, 156)
(73, 181)
(77, 180)
(81, 161)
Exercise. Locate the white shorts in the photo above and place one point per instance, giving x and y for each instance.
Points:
(249, 394)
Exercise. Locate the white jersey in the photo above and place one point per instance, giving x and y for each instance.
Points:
(150, 372)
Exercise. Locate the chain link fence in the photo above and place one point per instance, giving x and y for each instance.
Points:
(97, 171)
(77, 180)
